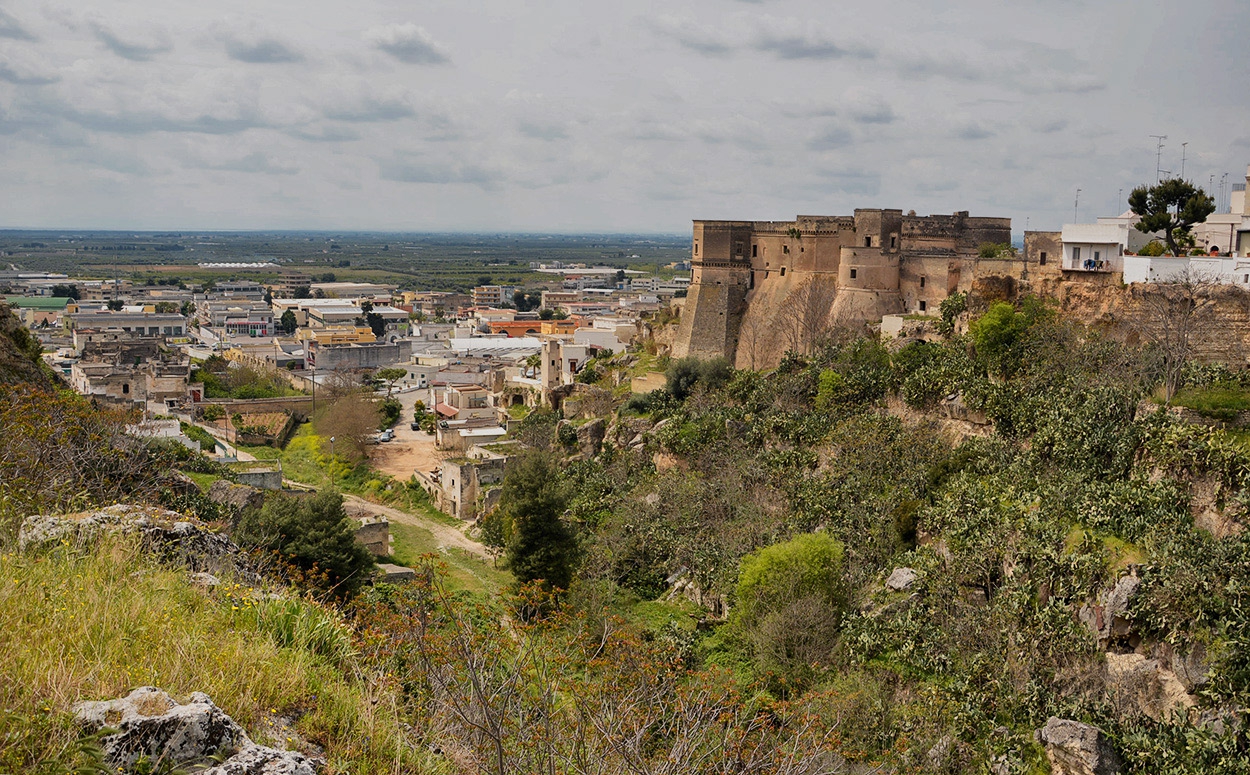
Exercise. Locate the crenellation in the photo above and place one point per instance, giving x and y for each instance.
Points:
(876, 262)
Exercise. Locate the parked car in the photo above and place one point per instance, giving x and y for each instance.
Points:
(386, 435)
(416, 426)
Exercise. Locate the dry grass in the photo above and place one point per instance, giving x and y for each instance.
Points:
(84, 625)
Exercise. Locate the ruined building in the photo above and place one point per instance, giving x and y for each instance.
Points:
(762, 287)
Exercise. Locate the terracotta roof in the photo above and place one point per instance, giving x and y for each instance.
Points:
(445, 410)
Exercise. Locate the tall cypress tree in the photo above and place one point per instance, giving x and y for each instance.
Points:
(541, 546)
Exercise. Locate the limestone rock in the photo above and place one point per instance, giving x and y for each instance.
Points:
(1107, 618)
(1074, 748)
(181, 484)
(1192, 668)
(392, 573)
(259, 760)
(205, 580)
(150, 724)
(901, 579)
(1141, 686)
(164, 533)
(590, 437)
(237, 496)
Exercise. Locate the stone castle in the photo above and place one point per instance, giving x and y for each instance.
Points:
(760, 288)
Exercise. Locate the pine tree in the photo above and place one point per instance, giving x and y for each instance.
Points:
(541, 546)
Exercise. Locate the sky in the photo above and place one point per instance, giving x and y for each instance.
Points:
(575, 116)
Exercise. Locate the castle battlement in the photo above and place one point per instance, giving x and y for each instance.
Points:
(869, 264)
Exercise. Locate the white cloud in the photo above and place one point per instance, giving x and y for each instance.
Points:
(230, 113)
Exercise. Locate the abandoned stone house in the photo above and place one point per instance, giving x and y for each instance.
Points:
(870, 264)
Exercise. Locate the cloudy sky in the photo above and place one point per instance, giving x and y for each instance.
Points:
(568, 115)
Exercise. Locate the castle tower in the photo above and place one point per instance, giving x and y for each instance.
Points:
(720, 279)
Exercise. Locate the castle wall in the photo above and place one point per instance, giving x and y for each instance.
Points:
(711, 318)
(746, 275)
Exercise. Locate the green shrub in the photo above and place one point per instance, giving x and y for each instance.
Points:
(790, 600)
(391, 410)
(685, 374)
(314, 535)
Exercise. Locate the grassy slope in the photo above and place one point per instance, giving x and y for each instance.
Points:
(78, 625)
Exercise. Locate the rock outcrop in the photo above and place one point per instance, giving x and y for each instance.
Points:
(1140, 686)
(590, 437)
(166, 534)
(149, 726)
(901, 579)
(236, 496)
(1074, 748)
(1108, 617)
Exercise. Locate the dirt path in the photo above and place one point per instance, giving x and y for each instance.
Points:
(446, 535)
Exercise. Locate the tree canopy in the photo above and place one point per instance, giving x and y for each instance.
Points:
(540, 546)
(1172, 207)
(313, 534)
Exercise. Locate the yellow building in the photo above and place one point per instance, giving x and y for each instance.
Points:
(337, 335)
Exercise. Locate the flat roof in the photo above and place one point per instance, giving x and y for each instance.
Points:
(38, 302)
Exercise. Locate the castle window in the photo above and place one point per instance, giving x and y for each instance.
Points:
(893, 240)
(755, 251)
(126, 388)
(738, 248)
(922, 306)
(1042, 260)
(696, 248)
(785, 248)
(852, 274)
(867, 242)
(783, 271)
(922, 282)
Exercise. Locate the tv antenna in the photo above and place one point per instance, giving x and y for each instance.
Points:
(1076, 206)
(1159, 155)
(1183, 160)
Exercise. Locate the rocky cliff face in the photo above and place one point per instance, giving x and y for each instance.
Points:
(1118, 310)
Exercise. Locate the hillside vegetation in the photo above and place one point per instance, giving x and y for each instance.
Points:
(872, 559)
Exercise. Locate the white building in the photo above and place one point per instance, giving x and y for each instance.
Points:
(1095, 247)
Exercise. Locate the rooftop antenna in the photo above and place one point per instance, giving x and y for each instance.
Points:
(1159, 155)
(1076, 206)
(1119, 198)
(1183, 160)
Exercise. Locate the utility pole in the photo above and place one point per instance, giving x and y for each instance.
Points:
(1119, 197)
(1076, 205)
(1159, 155)
(1183, 160)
